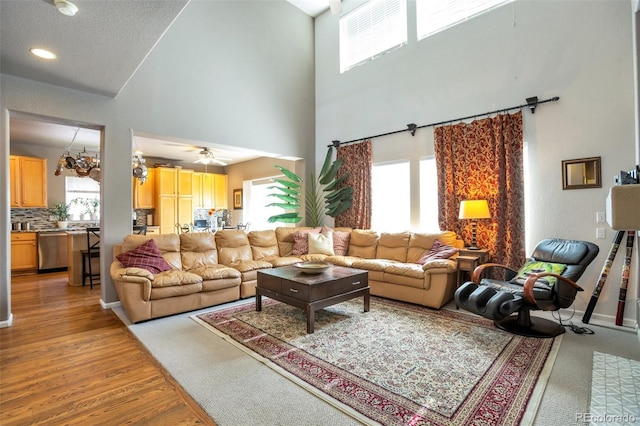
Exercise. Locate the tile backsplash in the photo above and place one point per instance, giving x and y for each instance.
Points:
(39, 219)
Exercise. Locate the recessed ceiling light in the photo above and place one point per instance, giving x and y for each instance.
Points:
(42, 53)
(66, 7)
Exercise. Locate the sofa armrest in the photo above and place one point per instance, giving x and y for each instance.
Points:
(448, 265)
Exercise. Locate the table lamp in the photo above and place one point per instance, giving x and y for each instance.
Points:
(474, 209)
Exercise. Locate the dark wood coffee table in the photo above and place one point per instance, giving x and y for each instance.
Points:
(312, 291)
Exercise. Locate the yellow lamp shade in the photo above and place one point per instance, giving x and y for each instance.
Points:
(474, 209)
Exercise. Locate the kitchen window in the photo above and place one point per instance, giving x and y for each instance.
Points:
(77, 190)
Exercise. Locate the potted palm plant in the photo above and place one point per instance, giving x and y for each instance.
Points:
(60, 212)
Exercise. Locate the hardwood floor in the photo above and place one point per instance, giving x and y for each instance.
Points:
(65, 360)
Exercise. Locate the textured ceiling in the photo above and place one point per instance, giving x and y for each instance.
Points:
(98, 50)
(102, 64)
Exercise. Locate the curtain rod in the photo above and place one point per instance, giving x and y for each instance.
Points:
(532, 103)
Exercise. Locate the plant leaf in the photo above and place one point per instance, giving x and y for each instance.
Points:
(331, 173)
(333, 185)
(285, 218)
(286, 198)
(327, 161)
(288, 173)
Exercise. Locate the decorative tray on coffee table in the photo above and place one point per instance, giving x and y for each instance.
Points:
(312, 267)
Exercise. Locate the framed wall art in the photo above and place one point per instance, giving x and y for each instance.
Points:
(237, 199)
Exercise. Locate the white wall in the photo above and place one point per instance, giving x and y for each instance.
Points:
(225, 72)
(579, 51)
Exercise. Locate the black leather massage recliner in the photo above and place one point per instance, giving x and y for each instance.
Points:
(537, 289)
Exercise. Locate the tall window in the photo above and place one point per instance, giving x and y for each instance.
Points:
(77, 191)
(428, 195)
(390, 200)
(371, 30)
(437, 15)
(256, 195)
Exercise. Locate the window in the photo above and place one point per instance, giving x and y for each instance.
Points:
(77, 191)
(371, 30)
(390, 200)
(429, 195)
(256, 194)
(437, 15)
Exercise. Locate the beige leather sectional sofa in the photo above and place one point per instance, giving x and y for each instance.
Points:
(210, 269)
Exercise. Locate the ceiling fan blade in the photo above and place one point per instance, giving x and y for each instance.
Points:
(222, 163)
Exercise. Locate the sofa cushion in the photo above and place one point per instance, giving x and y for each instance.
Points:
(198, 250)
(321, 243)
(216, 272)
(420, 242)
(437, 251)
(301, 241)
(363, 243)
(264, 244)
(168, 244)
(393, 246)
(341, 237)
(146, 256)
(175, 278)
(284, 235)
(233, 246)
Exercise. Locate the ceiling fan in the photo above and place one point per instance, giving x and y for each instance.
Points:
(207, 157)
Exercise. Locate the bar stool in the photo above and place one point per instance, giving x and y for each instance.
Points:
(92, 251)
(140, 229)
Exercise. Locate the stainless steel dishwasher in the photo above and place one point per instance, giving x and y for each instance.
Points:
(52, 251)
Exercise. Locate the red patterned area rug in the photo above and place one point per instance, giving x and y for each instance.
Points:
(398, 364)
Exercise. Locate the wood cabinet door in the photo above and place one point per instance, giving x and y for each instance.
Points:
(220, 193)
(185, 210)
(197, 190)
(24, 252)
(14, 180)
(33, 176)
(166, 183)
(144, 194)
(185, 183)
(166, 214)
(208, 189)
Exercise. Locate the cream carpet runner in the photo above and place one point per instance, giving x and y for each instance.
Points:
(398, 364)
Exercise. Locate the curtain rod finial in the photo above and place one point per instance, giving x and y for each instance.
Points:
(412, 127)
(335, 143)
(533, 103)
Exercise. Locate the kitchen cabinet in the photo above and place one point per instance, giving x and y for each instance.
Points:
(174, 198)
(205, 191)
(28, 181)
(144, 195)
(24, 252)
(220, 192)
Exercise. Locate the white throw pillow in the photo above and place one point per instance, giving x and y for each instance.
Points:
(321, 243)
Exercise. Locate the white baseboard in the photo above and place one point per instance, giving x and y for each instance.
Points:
(7, 323)
(608, 321)
(110, 304)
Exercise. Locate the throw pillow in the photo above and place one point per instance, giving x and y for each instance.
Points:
(437, 251)
(536, 267)
(147, 256)
(321, 243)
(340, 240)
(301, 242)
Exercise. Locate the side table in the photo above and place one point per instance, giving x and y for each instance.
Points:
(468, 260)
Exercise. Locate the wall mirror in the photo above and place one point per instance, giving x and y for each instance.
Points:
(581, 173)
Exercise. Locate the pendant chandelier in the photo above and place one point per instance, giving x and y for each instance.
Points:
(139, 168)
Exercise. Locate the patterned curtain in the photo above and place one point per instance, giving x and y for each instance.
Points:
(357, 162)
(484, 160)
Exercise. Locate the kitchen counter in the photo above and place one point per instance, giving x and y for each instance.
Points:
(76, 242)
